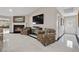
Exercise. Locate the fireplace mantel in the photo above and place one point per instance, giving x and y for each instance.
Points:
(18, 28)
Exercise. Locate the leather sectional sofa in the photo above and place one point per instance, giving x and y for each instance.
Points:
(46, 36)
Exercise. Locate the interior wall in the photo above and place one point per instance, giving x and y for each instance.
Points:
(50, 16)
(77, 17)
(60, 25)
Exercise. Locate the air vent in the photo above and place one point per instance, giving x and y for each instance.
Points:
(68, 10)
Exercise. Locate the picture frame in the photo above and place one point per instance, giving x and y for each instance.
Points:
(18, 19)
(61, 21)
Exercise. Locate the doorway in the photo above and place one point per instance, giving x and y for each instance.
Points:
(70, 25)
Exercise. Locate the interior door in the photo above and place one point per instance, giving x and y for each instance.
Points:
(70, 25)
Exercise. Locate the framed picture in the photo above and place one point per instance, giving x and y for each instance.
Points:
(18, 19)
(61, 21)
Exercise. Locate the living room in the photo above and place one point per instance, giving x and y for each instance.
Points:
(48, 19)
(43, 25)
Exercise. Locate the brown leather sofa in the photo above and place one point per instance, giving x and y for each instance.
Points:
(26, 31)
(47, 36)
(30, 30)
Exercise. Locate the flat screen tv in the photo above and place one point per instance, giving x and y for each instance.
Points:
(38, 19)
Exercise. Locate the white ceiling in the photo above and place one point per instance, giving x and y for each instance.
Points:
(62, 9)
(16, 11)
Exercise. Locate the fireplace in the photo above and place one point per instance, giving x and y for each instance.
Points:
(18, 28)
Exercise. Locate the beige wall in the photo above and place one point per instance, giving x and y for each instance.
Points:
(50, 17)
(59, 27)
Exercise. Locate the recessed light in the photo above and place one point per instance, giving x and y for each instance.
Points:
(10, 10)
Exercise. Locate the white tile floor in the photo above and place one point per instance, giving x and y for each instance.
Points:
(23, 43)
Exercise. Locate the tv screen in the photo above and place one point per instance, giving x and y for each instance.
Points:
(38, 19)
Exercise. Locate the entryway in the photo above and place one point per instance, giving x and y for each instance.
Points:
(68, 27)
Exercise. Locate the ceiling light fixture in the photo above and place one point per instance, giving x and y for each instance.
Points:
(10, 10)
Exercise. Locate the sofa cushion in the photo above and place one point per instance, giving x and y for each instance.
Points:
(48, 30)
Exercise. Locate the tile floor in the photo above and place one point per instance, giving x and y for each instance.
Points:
(23, 43)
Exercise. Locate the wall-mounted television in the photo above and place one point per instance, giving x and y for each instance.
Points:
(38, 19)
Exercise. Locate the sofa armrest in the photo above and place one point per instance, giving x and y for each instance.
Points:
(41, 32)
